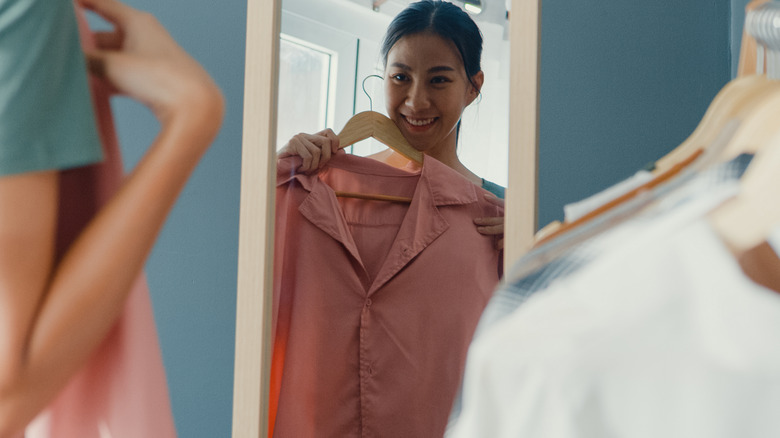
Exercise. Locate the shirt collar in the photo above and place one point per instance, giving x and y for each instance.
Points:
(447, 187)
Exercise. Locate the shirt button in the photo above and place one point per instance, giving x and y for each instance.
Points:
(368, 302)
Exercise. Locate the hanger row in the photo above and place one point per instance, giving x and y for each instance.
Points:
(763, 24)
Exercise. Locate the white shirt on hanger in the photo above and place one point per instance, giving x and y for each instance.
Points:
(663, 337)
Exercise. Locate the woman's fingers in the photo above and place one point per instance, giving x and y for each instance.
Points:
(333, 138)
(490, 225)
(314, 149)
(325, 149)
(495, 200)
(112, 10)
(311, 156)
(109, 40)
(98, 67)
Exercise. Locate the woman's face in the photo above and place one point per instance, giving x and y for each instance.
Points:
(426, 90)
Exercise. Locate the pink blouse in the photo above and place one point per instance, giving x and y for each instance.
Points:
(375, 302)
(121, 392)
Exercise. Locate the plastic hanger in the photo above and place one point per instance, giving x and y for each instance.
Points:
(748, 52)
(373, 124)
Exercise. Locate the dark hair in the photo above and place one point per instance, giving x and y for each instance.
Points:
(441, 18)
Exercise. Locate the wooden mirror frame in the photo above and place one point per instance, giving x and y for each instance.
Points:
(256, 227)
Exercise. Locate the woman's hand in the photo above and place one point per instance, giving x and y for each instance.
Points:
(141, 60)
(314, 149)
(492, 225)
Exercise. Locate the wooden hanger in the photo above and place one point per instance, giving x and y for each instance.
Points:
(373, 124)
(737, 97)
(551, 233)
(738, 100)
(759, 116)
(746, 221)
(732, 100)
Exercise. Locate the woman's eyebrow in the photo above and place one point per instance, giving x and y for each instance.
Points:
(440, 68)
(400, 65)
(436, 69)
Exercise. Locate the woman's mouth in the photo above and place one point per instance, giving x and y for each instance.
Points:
(419, 123)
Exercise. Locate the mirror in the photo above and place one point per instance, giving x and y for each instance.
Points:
(253, 330)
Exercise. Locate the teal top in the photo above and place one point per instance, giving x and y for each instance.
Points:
(46, 116)
(493, 188)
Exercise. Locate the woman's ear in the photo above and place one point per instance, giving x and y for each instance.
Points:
(476, 85)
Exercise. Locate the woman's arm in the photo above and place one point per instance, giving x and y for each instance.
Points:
(53, 317)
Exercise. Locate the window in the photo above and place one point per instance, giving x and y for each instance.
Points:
(305, 73)
(316, 80)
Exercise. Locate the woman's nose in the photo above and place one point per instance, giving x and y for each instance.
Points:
(417, 97)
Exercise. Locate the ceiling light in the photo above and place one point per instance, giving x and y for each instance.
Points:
(473, 6)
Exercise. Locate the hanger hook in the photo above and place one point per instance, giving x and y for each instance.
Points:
(363, 85)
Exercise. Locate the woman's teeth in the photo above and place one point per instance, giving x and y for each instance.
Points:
(420, 122)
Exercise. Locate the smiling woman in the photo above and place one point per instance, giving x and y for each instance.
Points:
(386, 294)
(250, 386)
(426, 91)
(432, 59)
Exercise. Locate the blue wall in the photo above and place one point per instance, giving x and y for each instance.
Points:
(192, 270)
(622, 84)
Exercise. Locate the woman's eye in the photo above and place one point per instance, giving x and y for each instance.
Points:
(399, 77)
(439, 80)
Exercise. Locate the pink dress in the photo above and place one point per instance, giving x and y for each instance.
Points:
(375, 302)
(122, 391)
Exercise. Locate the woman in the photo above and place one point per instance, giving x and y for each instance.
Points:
(431, 54)
(56, 310)
(375, 303)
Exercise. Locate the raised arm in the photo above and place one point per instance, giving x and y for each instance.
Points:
(53, 316)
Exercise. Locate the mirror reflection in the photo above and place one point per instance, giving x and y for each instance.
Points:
(331, 68)
(382, 265)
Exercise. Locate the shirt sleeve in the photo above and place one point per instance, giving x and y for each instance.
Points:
(46, 116)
